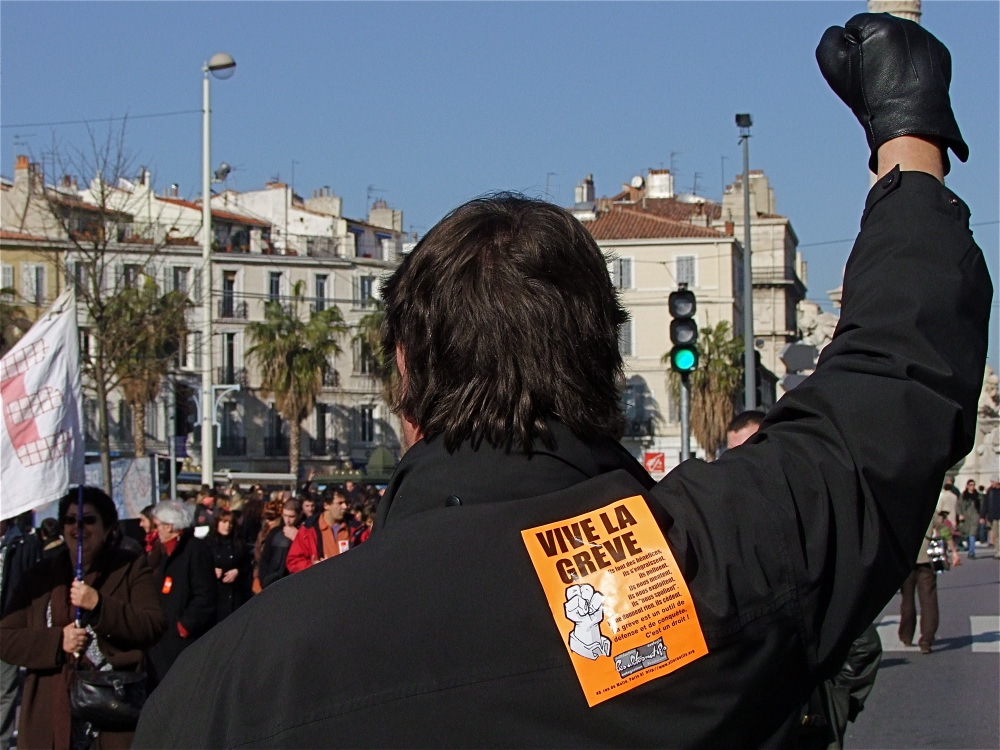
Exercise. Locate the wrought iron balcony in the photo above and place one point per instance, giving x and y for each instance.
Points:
(232, 445)
(232, 309)
(276, 445)
(325, 447)
(229, 375)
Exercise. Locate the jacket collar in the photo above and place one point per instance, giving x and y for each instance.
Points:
(429, 477)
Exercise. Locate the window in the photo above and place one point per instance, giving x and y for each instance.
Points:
(625, 339)
(182, 357)
(367, 424)
(197, 350)
(152, 418)
(621, 272)
(684, 270)
(131, 274)
(228, 374)
(78, 273)
(196, 290)
(90, 419)
(124, 421)
(360, 251)
(320, 423)
(321, 292)
(33, 283)
(365, 291)
(364, 358)
(84, 333)
(8, 282)
(227, 306)
(181, 279)
(274, 286)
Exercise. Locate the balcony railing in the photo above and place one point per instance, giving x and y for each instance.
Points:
(232, 445)
(276, 445)
(226, 375)
(230, 308)
(324, 447)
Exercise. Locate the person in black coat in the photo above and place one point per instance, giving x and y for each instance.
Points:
(279, 540)
(184, 574)
(499, 569)
(232, 568)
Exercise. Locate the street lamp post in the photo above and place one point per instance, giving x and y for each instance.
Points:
(222, 66)
(743, 122)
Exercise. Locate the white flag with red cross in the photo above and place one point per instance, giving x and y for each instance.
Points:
(41, 440)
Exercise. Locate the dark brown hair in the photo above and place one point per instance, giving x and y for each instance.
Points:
(507, 317)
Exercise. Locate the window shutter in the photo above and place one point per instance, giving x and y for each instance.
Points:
(28, 289)
(625, 273)
(8, 277)
(685, 270)
(625, 339)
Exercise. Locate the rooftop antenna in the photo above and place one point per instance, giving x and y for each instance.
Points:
(368, 196)
(548, 195)
(694, 189)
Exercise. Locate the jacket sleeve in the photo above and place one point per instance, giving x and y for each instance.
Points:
(201, 610)
(136, 618)
(829, 502)
(303, 549)
(26, 643)
(891, 406)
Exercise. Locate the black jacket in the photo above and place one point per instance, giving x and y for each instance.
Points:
(186, 584)
(790, 545)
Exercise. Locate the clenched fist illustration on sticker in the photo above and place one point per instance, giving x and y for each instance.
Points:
(585, 608)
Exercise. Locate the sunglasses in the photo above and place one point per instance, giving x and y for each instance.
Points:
(73, 521)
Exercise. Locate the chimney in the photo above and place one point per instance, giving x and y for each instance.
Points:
(730, 228)
(584, 192)
(659, 184)
(22, 162)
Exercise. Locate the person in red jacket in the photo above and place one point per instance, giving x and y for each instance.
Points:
(328, 535)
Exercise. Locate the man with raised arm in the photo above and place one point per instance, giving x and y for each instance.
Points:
(712, 602)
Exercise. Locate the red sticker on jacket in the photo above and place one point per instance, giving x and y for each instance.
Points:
(168, 583)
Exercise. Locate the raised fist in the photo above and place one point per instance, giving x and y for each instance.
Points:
(585, 607)
(894, 75)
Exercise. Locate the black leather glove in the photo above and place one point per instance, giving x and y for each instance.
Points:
(894, 75)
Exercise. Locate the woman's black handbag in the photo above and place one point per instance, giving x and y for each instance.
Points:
(109, 700)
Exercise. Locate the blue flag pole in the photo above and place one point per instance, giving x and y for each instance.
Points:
(79, 542)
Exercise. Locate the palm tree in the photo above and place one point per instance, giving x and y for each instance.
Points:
(292, 355)
(151, 329)
(714, 385)
(13, 323)
(369, 337)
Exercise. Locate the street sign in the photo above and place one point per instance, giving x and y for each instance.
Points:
(655, 462)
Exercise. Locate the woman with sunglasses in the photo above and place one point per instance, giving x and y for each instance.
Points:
(120, 618)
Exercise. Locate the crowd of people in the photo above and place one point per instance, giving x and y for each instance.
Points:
(140, 603)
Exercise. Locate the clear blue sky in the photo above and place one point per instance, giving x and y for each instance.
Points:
(432, 103)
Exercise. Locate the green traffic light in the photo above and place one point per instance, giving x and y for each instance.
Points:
(684, 360)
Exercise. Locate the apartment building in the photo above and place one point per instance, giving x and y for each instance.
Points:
(141, 233)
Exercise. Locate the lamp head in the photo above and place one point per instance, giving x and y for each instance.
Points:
(221, 65)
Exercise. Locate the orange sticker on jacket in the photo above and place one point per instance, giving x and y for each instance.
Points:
(617, 596)
(168, 583)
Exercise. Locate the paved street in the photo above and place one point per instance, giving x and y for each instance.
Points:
(951, 697)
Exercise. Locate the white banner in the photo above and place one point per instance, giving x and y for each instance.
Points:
(41, 439)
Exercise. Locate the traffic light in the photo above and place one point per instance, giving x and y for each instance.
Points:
(683, 330)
